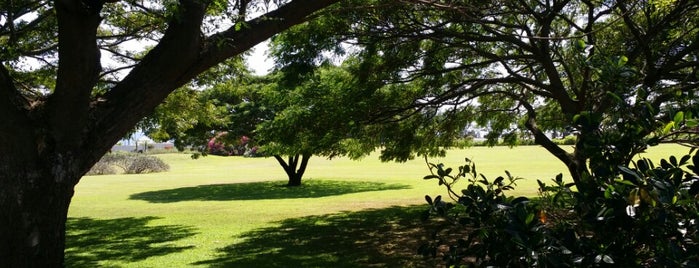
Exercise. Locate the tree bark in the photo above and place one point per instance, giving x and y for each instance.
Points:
(41, 157)
(34, 224)
(36, 192)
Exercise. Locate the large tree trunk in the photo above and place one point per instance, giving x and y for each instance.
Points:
(293, 168)
(42, 144)
(33, 222)
(35, 193)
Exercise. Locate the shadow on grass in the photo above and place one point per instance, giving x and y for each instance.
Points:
(386, 237)
(263, 190)
(89, 241)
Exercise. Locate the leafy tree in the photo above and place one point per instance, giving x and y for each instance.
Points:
(334, 113)
(622, 75)
(63, 104)
(292, 116)
(323, 116)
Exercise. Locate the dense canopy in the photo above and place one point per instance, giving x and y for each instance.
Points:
(620, 75)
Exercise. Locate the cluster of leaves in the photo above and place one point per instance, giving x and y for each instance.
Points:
(130, 163)
(646, 217)
(187, 117)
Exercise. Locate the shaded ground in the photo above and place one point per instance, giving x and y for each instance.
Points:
(89, 241)
(386, 237)
(263, 190)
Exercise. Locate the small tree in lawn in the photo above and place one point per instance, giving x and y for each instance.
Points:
(320, 116)
(323, 115)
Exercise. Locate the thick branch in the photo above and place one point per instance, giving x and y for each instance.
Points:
(541, 138)
(152, 79)
(282, 163)
(10, 98)
(14, 122)
(304, 164)
(234, 41)
(557, 88)
(78, 70)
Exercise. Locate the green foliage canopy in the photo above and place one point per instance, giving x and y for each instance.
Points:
(613, 72)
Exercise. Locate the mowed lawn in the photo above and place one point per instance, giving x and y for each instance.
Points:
(233, 212)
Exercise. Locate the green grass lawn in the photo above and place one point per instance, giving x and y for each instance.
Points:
(233, 212)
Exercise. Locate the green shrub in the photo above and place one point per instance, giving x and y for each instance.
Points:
(101, 168)
(525, 142)
(129, 163)
(492, 229)
(464, 142)
(568, 140)
(146, 164)
(647, 217)
(121, 160)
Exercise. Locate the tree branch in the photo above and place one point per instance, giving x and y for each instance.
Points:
(15, 124)
(281, 161)
(78, 70)
(236, 40)
(151, 80)
(10, 98)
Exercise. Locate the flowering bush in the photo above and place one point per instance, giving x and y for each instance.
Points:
(220, 145)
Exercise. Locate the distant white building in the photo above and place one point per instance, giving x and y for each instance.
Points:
(142, 144)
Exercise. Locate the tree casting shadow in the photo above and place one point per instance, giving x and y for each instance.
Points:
(89, 241)
(386, 237)
(263, 190)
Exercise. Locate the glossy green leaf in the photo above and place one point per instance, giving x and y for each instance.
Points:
(622, 61)
(668, 127)
(679, 116)
(429, 177)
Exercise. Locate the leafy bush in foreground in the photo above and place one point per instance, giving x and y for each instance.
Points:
(646, 217)
(129, 163)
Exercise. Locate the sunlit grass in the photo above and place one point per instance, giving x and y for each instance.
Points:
(213, 211)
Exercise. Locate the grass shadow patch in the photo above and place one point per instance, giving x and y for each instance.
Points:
(89, 241)
(386, 237)
(263, 190)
